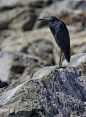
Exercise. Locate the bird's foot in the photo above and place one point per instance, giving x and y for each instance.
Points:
(63, 67)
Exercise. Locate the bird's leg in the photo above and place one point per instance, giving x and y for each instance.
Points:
(60, 60)
(62, 57)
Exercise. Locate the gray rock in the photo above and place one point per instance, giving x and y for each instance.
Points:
(20, 18)
(40, 48)
(62, 11)
(40, 3)
(5, 5)
(80, 4)
(7, 33)
(14, 64)
(82, 49)
(11, 4)
(17, 43)
(49, 92)
(5, 63)
(76, 60)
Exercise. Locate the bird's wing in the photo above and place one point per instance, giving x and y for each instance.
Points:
(62, 36)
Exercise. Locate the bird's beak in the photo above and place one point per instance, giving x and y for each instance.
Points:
(44, 19)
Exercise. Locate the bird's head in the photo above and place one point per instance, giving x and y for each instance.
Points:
(49, 19)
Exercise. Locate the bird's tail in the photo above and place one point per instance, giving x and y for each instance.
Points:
(67, 55)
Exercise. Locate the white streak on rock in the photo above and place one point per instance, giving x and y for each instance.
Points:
(46, 70)
(81, 59)
(9, 94)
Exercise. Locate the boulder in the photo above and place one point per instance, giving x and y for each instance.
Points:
(4, 34)
(20, 18)
(15, 64)
(76, 60)
(51, 91)
(40, 48)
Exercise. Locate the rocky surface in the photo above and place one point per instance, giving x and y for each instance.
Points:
(13, 64)
(18, 18)
(51, 91)
(10, 4)
(62, 10)
(31, 83)
(37, 49)
(21, 41)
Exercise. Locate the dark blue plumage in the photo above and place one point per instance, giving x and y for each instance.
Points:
(61, 35)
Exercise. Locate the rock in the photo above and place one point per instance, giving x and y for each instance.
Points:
(16, 44)
(56, 54)
(5, 5)
(51, 91)
(5, 65)
(20, 18)
(82, 49)
(10, 4)
(14, 64)
(65, 13)
(76, 60)
(77, 5)
(41, 48)
(7, 33)
(21, 41)
(40, 3)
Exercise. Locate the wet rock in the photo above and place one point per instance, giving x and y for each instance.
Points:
(51, 91)
(41, 48)
(20, 18)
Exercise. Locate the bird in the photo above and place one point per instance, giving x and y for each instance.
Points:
(61, 35)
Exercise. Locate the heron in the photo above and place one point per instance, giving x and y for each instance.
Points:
(61, 35)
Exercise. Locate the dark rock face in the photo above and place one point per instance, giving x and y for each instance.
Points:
(50, 92)
(57, 100)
